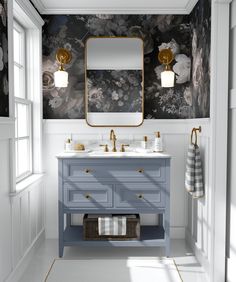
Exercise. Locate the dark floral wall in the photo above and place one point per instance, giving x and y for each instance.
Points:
(199, 92)
(188, 99)
(4, 91)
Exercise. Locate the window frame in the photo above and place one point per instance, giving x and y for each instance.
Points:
(24, 100)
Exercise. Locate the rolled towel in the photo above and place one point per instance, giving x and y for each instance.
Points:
(193, 175)
(112, 226)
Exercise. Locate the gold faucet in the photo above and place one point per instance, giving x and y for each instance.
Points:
(113, 139)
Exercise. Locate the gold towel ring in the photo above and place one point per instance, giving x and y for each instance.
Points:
(194, 130)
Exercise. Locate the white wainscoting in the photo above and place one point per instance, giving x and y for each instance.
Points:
(176, 136)
(22, 214)
(198, 231)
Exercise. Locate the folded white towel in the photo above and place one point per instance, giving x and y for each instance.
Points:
(193, 175)
(112, 225)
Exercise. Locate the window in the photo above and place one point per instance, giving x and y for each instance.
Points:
(23, 138)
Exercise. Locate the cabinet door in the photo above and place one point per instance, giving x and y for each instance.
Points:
(87, 195)
(140, 195)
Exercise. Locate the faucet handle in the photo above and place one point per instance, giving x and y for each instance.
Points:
(105, 147)
(122, 149)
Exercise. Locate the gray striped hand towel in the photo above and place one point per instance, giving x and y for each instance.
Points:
(112, 225)
(193, 175)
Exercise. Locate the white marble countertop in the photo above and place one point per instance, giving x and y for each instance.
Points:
(101, 154)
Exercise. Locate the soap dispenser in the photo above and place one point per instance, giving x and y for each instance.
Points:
(144, 143)
(158, 145)
(68, 145)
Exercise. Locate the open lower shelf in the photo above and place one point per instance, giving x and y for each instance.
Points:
(149, 236)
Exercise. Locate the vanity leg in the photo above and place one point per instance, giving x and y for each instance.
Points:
(167, 234)
(61, 231)
(68, 219)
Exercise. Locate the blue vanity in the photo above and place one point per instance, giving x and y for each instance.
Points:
(114, 184)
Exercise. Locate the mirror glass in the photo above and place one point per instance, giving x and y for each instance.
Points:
(114, 81)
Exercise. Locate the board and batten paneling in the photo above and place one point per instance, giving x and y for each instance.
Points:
(198, 220)
(176, 134)
(22, 213)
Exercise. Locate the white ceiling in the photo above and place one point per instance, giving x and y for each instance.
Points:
(114, 6)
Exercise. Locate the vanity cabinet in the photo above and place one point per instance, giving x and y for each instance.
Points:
(114, 186)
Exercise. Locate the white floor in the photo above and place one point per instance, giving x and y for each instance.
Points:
(189, 268)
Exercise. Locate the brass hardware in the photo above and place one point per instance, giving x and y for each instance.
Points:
(87, 196)
(141, 170)
(63, 57)
(113, 139)
(88, 170)
(166, 56)
(86, 79)
(105, 147)
(140, 196)
(194, 131)
(122, 149)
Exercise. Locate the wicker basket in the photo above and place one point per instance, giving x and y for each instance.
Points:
(90, 228)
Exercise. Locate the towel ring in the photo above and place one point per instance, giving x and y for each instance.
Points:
(194, 131)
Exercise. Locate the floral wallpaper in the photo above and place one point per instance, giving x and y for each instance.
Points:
(188, 99)
(4, 91)
(114, 90)
(199, 92)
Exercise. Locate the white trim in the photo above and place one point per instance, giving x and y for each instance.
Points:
(26, 14)
(26, 183)
(113, 10)
(233, 18)
(232, 98)
(191, 4)
(218, 153)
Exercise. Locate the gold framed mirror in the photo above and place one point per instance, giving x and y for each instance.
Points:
(114, 81)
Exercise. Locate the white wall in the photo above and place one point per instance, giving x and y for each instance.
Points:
(231, 231)
(176, 134)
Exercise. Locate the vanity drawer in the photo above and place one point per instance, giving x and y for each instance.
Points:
(88, 195)
(140, 171)
(137, 169)
(140, 195)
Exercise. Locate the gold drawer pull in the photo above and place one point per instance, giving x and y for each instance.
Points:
(88, 170)
(141, 170)
(140, 196)
(87, 196)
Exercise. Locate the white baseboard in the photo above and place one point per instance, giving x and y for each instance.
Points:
(200, 256)
(25, 260)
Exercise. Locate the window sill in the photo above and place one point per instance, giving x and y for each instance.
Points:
(26, 183)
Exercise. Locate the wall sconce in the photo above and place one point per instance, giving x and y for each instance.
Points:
(63, 57)
(165, 57)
